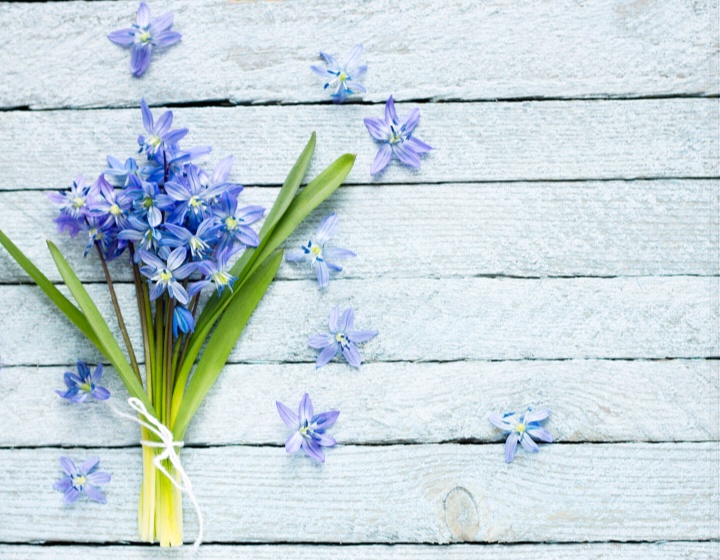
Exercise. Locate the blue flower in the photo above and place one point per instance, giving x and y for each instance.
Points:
(143, 35)
(84, 383)
(342, 338)
(99, 230)
(110, 204)
(83, 479)
(183, 320)
(318, 255)
(217, 271)
(308, 429)
(193, 196)
(199, 243)
(144, 236)
(160, 137)
(522, 428)
(165, 275)
(119, 171)
(235, 222)
(77, 202)
(342, 79)
(396, 138)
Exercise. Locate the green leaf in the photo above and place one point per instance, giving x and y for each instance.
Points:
(112, 349)
(63, 304)
(223, 340)
(249, 257)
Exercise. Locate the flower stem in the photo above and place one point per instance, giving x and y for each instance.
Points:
(118, 313)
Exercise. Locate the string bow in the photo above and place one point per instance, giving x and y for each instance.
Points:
(168, 445)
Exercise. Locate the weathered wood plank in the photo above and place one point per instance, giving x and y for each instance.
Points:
(594, 551)
(470, 318)
(615, 229)
(259, 51)
(474, 141)
(391, 403)
(424, 494)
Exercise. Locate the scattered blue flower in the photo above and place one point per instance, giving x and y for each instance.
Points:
(522, 428)
(396, 138)
(165, 275)
(342, 338)
(143, 36)
(84, 383)
(342, 79)
(308, 429)
(160, 137)
(83, 479)
(318, 255)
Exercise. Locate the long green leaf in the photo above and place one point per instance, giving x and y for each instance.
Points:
(63, 304)
(112, 349)
(287, 193)
(223, 341)
(312, 195)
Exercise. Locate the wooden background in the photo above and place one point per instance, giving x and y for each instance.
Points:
(559, 247)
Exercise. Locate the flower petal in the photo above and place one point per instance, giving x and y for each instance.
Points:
(71, 496)
(63, 484)
(295, 256)
(333, 319)
(511, 446)
(322, 273)
(528, 444)
(328, 353)
(352, 58)
(99, 478)
(68, 466)
(536, 415)
(381, 159)
(377, 128)
(143, 15)
(418, 145)
(411, 121)
(321, 340)
(140, 59)
(100, 393)
(352, 355)
(406, 154)
(122, 37)
(86, 466)
(361, 336)
(313, 450)
(326, 419)
(94, 494)
(293, 443)
(390, 113)
(499, 422)
(327, 229)
(162, 23)
(540, 433)
(305, 411)
(346, 320)
(288, 416)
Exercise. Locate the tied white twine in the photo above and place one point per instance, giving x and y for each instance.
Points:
(168, 445)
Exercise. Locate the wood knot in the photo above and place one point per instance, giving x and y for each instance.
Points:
(461, 514)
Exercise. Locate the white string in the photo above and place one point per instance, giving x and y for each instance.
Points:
(168, 445)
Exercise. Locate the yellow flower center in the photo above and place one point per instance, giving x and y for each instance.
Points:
(194, 201)
(316, 250)
(78, 202)
(145, 37)
(342, 76)
(520, 428)
(166, 276)
(79, 481)
(115, 210)
(153, 140)
(231, 223)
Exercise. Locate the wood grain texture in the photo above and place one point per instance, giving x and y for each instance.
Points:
(594, 551)
(470, 318)
(261, 51)
(474, 141)
(527, 229)
(396, 403)
(390, 494)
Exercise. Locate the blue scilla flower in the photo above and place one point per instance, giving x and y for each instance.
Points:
(144, 236)
(118, 172)
(308, 428)
(341, 338)
(82, 384)
(216, 271)
(342, 79)
(77, 202)
(318, 254)
(395, 137)
(235, 222)
(83, 479)
(193, 198)
(199, 243)
(143, 36)
(99, 231)
(174, 160)
(165, 275)
(148, 200)
(113, 206)
(522, 428)
(183, 320)
(159, 134)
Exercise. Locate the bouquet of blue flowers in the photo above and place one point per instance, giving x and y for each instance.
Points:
(184, 233)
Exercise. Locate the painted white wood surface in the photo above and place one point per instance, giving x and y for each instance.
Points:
(261, 51)
(466, 319)
(425, 494)
(554, 140)
(528, 229)
(594, 551)
(591, 400)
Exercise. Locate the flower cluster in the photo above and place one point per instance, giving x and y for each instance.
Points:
(181, 224)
